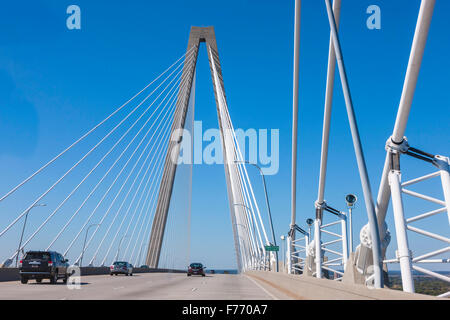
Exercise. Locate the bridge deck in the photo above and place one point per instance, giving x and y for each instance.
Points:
(141, 286)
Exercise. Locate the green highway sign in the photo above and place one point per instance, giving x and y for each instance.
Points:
(272, 248)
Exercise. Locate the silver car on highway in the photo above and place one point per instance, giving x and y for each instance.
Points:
(121, 267)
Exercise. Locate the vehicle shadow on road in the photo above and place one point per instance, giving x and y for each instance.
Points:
(57, 284)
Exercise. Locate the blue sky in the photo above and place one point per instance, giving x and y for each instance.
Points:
(57, 83)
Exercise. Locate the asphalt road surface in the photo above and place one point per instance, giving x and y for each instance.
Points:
(143, 286)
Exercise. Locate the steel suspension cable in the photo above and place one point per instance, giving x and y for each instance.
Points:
(237, 147)
(107, 192)
(91, 130)
(148, 167)
(117, 195)
(231, 169)
(124, 218)
(127, 212)
(183, 90)
(107, 173)
(95, 167)
(146, 220)
(135, 211)
(81, 160)
(121, 188)
(65, 200)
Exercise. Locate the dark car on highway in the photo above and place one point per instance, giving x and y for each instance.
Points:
(40, 265)
(196, 269)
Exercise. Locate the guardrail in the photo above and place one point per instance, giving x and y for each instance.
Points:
(12, 274)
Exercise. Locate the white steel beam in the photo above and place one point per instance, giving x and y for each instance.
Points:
(365, 183)
(409, 86)
(295, 116)
(404, 255)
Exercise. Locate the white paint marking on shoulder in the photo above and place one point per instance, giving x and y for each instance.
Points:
(262, 288)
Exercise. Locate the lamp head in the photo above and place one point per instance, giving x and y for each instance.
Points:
(351, 199)
(309, 221)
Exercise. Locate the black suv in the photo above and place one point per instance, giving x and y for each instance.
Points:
(43, 265)
(196, 269)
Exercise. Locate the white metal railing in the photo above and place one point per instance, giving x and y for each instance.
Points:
(297, 250)
(404, 254)
(334, 250)
(299, 253)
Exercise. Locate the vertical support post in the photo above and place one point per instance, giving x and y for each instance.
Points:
(326, 122)
(350, 229)
(444, 164)
(409, 87)
(358, 152)
(403, 252)
(295, 118)
(289, 254)
(344, 240)
(328, 106)
(305, 266)
(318, 247)
(306, 244)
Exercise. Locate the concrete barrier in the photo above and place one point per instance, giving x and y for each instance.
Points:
(308, 288)
(9, 274)
(12, 274)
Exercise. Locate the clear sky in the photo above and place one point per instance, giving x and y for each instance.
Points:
(57, 83)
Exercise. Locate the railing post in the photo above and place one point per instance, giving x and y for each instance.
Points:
(318, 248)
(443, 164)
(289, 254)
(344, 240)
(403, 252)
(350, 229)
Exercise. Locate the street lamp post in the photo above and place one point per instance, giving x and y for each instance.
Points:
(23, 229)
(268, 206)
(283, 253)
(309, 222)
(351, 200)
(84, 243)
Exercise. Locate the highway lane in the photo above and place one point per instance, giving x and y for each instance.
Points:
(142, 286)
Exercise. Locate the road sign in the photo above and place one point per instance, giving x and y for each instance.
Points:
(272, 248)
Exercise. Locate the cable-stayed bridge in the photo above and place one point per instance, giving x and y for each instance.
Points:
(128, 184)
(110, 194)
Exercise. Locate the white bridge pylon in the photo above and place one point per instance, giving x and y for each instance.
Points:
(249, 232)
(112, 202)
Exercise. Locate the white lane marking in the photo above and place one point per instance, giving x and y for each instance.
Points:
(118, 288)
(193, 289)
(261, 287)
